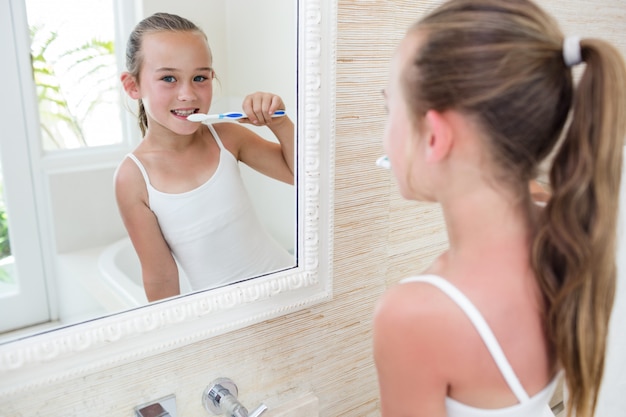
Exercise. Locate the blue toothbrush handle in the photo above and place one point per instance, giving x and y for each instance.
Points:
(236, 115)
(231, 115)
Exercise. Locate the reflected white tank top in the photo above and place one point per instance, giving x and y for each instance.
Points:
(213, 231)
(535, 406)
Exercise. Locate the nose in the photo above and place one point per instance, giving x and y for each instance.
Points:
(186, 92)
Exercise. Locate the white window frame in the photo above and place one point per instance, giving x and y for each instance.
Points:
(19, 190)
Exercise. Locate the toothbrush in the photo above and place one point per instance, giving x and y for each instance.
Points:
(233, 115)
(384, 162)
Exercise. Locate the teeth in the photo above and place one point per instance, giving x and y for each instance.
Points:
(183, 113)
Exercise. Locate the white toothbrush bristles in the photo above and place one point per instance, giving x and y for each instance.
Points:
(383, 162)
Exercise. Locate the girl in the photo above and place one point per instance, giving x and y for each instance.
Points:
(479, 94)
(179, 193)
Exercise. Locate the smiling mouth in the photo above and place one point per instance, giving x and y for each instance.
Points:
(184, 113)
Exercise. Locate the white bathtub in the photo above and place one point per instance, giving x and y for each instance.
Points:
(119, 268)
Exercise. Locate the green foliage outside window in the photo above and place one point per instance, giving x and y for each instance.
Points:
(91, 66)
(5, 245)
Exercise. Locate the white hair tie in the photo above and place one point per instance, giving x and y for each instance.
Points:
(571, 51)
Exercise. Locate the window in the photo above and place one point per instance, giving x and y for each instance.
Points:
(75, 72)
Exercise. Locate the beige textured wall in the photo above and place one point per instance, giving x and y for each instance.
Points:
(379, 239)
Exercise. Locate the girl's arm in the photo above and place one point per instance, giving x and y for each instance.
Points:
(275, 160)
(158, 268)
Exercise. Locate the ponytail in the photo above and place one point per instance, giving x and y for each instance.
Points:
(574, 252)
(142, 118)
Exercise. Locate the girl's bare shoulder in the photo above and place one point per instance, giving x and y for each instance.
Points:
(230, 131)
(420, 312)
(410, 300)
(416, 339)
(232, 135)
(128, 181)
(126, 171)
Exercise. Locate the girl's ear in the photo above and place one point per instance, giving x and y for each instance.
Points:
(440, 138)
(130, 85)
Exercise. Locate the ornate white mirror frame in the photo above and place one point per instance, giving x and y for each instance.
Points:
(90, 346)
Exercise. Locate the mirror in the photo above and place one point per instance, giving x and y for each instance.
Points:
(115, 339)
(92, 269)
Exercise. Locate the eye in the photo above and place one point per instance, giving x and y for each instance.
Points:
(168, 79)
(200, 78)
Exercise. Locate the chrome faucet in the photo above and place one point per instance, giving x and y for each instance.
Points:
(220, 398)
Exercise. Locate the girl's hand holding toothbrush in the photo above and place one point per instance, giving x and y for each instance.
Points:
(260, 108)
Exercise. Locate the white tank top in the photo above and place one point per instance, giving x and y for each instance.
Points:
(535, 406)
(213, 230)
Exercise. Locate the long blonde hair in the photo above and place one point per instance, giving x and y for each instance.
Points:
(502, 62)
(158, 22)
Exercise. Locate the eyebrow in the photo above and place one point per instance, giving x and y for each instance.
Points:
(168, 69)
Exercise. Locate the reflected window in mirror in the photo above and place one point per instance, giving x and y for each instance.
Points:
(76, 85)
(75, 72)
